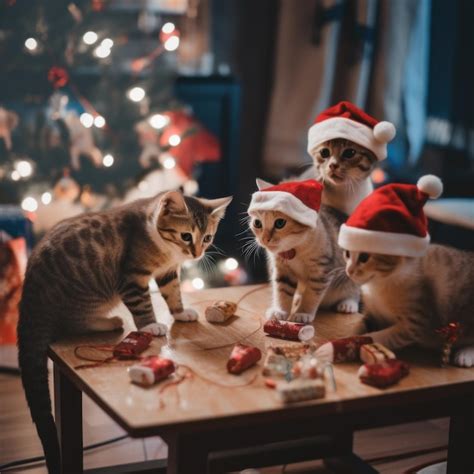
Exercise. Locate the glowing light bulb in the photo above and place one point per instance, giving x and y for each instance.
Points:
(198, 283)
(24, 168)
(174, 140)
(158, 121)
(107, 43)
(136, 94)
(168, 28)
(169, 163)
(90, 37)
(29, 204)
(231, 264)
(102, 52)
(31, 44)
(99, 121)
(46, 198)
(108, 160)
(15, 175)
(172, 43)
(86, 119)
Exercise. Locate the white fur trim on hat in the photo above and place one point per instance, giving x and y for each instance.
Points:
(431, 185)
(340, 127)
(388, 243)
(283, 202)
(384, 132)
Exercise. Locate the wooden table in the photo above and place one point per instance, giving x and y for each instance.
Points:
(217, 422)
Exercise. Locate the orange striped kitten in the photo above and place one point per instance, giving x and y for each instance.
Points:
(86, 265)
(406, 298)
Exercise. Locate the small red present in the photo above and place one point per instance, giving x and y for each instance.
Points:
(133, 345)
(383, 374)
(242, 358)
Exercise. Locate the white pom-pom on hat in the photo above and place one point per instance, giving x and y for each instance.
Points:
(431, 185)
(384, 132)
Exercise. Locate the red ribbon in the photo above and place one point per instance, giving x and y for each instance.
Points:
(451, 332)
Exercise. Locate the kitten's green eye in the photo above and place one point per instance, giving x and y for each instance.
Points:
(280, 223)
(257, 223)
(207, 238)
(187, 237)
(363, 257)
(348, 153)
(325, 153)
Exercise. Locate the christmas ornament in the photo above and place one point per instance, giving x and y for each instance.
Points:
(342, 350)
(450, 333)
(345, 120)
(383, 374)
(391, 220)
(242, 358)
(58, 76)
(299, 200)
(371, 353)
(220, 311)
(300, 390)
(150, 370)
(288, 330)
(133, 345)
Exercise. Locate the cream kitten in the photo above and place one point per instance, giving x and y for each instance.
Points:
(406, 299)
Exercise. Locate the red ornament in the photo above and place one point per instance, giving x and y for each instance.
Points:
(58, 77)
(288, 330)
(133, 345)
(242, 358)
(451, 332)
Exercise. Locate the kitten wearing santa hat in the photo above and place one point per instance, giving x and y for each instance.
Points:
(410, 288)
(300, 238)
(346, 144)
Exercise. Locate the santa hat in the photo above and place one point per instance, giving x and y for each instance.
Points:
(299, 200)
(345, 120)
(391, 220)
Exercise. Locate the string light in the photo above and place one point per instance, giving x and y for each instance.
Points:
(46, 198)
(136, 94)
(86, 119)
(99, 121)
(172, 43)
(169, 163)
(15, 175)
(174, 140)
(198, 283)
(31, 44)
(231, 264)
(90, 37)
(102, 52)
(107, 43)
(158, 121)
(108, 160)
(29, 204)
(168, 28)
(24, 168)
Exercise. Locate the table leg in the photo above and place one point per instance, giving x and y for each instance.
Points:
(68, 416)
(187, 454)
(461, 435)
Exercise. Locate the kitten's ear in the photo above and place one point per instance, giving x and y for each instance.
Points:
(173, 202)
(261, 184)
(218, 206)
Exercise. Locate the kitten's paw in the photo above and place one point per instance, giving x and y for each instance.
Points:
(347, 306)
(464, 357)
(275, 313)
(303, 317)
(157, 329)
(186, 315)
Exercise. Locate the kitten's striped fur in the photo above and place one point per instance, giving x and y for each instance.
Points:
(317, 270)
(85, 265)
(406, 299)
(344, 167)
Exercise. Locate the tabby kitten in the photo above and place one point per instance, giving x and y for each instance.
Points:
(85, 265)
(344, 167)
(304, 261)
(406, 298)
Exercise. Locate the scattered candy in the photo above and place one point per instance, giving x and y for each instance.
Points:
(275, 364)
(299, 390)
(288, 330)
(133, 345)
(343, 350)
(243, 357)
(383, 374)
(151, 370)
(220, 311)
(293, 351)
(371, 353)
(270, 383)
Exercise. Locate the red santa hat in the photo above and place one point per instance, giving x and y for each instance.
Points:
(391, 220)
(345, 120)
(299, 200)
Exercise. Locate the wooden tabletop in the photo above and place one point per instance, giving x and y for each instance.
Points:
(210, 396)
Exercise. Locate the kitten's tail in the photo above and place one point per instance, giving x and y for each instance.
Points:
(33, 341)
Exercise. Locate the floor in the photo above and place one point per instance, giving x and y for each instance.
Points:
(389, 448)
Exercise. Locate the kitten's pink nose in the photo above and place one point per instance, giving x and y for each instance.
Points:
(333, 166)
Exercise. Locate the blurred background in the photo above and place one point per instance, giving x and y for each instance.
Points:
(106, 101)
